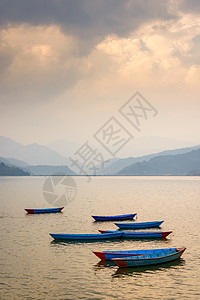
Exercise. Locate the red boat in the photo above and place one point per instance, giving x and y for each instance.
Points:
(108, 255)
(44, 210)
(149, 259)
(141, 234)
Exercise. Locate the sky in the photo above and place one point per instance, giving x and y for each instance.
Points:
(67, 67)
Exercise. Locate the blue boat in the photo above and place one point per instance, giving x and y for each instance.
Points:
(43, 210)
(139, 225)
(108, 255)
(77, 237)
(141, 234)
(114, 218)
(149, 259)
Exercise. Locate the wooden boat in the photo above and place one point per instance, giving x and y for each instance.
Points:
(108, 255)
(139, 225)
(141, 234)
(44, 210)
(76, 237)
(149, 259)
(114, 218)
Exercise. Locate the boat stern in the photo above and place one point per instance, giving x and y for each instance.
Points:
(119, 262)
(166, 233)
(180, 250)
(100, 255)
(29, 211)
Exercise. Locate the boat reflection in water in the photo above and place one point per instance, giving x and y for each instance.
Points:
(137, 271)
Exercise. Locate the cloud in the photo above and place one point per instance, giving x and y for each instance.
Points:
(190, 6)
(158, 54)
(73, 50)
(38, 62)
(45, 45)
(48, 46)
(87, 19)
(193, 75)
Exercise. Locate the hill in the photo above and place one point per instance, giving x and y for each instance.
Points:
(14, 162)
(33, 154)
(116, 165)
(11, 171)
(179, 164)
(64, 147)
(37, 170)
(49, 170)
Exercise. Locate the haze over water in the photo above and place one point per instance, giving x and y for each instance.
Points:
(32, 266)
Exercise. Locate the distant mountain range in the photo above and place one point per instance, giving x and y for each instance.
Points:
(179, 164)
(42, 170)
(144, 145)
(33, 154)
(40, 160)
(49, 170)
(34, 159)
(114, 166)
(14, 162)
(63, 147)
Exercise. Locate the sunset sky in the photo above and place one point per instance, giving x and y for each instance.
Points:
(68, 66)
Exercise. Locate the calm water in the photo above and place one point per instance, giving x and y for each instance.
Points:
(32, 266)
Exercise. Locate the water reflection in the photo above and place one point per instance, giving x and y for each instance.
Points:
(104, 264)
(79, 242)
(139, 270)
(33, 265)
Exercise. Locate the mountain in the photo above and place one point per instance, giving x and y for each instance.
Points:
(37, 170)
(118, 164)
(40, 160)
(43, 170)
(64, 147)
(179, 164)
(33, 154)
(11, 171)
(8, 146)
(14, 162)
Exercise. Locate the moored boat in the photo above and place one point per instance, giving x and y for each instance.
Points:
(115, 218)
(149, 259)
(43, 210)
(76, 237)
(141, 234)
(108, 255)
(139, 225)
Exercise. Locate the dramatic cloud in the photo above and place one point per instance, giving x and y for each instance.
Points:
(190, 6)
(63, 60)
(38, 61)
(86, 18)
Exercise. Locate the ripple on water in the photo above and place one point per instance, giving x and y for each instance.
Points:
(33, 266)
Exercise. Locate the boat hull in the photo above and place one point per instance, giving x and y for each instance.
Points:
(108, 255)
(114, 218)
(44, 210)
(148, 259)
(139, 225)
(77, 237)
(141, 234)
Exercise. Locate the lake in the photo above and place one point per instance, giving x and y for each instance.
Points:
(33, 266)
